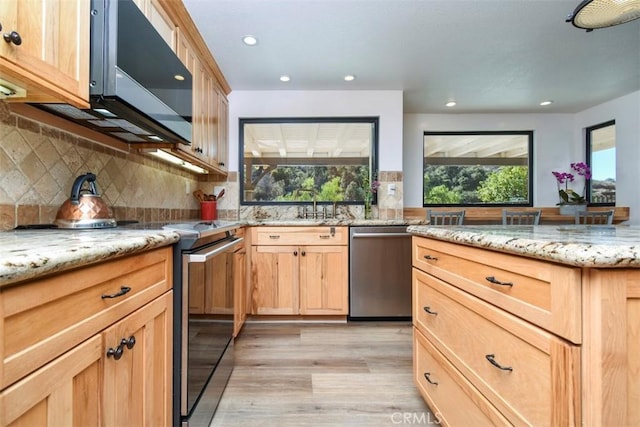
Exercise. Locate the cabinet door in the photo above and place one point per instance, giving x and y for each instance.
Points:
(240, 289)
(66, 391)
(137, 386)
(223, 130)
(274, 274)
(324, 280)
(52, 60)
(159, 19)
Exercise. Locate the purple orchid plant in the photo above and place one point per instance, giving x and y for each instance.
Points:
(568, 195)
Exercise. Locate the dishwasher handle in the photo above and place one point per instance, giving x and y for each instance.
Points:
(203, 257)
(356, 235)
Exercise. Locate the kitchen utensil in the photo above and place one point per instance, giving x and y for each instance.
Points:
(220, 194)
(199, 194)
(85, 208)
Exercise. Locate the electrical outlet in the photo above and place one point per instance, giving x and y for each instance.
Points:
(187, 187)
(391, 189)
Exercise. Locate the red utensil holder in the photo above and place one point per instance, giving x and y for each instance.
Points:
(208, 210)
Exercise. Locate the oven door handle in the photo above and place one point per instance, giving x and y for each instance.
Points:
(203, 257)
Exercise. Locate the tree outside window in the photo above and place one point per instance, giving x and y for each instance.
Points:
(477, 168)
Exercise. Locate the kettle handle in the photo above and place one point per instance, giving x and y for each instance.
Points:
(77, 185)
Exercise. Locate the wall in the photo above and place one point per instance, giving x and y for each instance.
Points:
(558, 141)
(387, 105)
(38, 165)
(626, 112)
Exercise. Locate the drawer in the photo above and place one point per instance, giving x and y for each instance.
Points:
(544, 293)
(449, 395)
(533, 369)
(326, 235)
(42, 319)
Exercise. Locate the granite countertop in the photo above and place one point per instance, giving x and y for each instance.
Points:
(26, 254)
(578, 245)
(331, 222)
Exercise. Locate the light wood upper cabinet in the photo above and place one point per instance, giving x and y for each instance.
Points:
(310, 278)
(210, 110)
(160, 20)
(51, 60)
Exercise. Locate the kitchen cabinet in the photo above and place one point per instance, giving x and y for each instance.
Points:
(210, 139)
(49, 54)
(160, 20)
(210, 111)
(62, 336)
(241, 294)
(524, 341)
(299, 270)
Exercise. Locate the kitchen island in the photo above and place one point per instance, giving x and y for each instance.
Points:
(534, 325)
(86, 327)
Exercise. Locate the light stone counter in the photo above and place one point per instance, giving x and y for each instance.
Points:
(331, 222)
(26, 254)
(579, 245)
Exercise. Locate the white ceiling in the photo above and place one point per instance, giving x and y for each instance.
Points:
(488, 55)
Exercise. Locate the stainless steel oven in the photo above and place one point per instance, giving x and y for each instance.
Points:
(203, 319)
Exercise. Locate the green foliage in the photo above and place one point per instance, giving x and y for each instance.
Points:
(441, 194)
(506, 184)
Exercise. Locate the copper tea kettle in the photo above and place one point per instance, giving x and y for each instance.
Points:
(85, 208)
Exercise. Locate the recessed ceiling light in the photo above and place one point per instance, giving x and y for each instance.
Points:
(285, 78)
(451, 104)
(250, 40)
(543, 103)
(349, 78)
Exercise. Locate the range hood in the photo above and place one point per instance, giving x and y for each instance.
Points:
(140, 92)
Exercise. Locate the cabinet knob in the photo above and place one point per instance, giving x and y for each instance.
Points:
(295, 253)
(116, 353)
(13, 37)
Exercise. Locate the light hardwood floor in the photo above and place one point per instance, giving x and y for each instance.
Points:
(353, 374)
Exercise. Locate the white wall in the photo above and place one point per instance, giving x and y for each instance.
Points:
(387, 105)
(626, 112)
(558, 141)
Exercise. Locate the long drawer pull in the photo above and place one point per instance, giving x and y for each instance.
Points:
(324, 236)
(274, 236)
(123, 290)
(492, 359)
(427, 376)
(428, 310)
(430, 257)
(495, 281)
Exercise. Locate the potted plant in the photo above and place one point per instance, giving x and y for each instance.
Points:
(572, 200)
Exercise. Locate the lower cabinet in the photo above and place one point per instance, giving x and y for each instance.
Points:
(502, 339)
(101, 343)
(309, 278)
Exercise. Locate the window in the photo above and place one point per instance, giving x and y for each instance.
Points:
(601, 157)
(477, 168)
(294, 160)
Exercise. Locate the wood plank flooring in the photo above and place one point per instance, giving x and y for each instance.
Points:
(302, 374)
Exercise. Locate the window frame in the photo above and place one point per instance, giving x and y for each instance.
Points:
(530, 136)
(588, 136)
(373, 154)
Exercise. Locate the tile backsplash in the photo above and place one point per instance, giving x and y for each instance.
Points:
(38, 165)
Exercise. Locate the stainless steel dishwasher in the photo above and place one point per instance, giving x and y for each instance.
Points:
(379, 272)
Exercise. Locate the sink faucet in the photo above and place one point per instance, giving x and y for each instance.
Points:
(314, 193)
